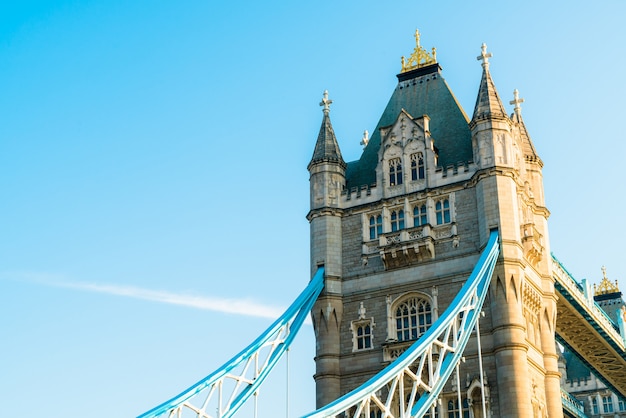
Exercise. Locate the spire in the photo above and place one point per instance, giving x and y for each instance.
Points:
(530, 154)
(326, 147)
(488, 103)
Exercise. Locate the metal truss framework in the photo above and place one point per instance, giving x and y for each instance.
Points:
(224, 391)
(410, 386)
(572, 408)
(586, 330)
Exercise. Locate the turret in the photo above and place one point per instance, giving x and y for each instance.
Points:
(490, 125)
(327, 180)
(327, 167)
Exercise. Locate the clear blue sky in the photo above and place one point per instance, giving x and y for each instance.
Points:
(153, 170)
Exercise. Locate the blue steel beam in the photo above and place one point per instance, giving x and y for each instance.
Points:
(245, 372)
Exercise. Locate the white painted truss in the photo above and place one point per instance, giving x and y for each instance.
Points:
(224, 391)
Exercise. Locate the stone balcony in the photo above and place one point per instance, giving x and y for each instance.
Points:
(410, 246)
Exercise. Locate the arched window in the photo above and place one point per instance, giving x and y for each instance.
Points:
(607, 404)
(413, 317)
(419, 215)
(442, 211)
(376, 225)
(594, 406)
(453, 408)
(397, 220)
(395, 172)
(417, 166)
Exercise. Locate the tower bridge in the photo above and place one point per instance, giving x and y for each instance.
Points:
(433, 290)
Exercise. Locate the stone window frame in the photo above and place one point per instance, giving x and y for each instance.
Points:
(418, 169)
(419, 214)
(392, 308)
(375, 222)
(443, 211)
(362, 341)
(395, 171)
(397, 219)
(595, 409)
(607, 404)
(452, 409)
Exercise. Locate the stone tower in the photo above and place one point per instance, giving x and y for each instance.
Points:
(400, 229)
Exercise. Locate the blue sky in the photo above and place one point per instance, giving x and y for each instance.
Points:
(153, 166)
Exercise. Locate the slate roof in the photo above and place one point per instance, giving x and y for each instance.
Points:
(488, 103)
(527, 144)
(420, 92)
(326, 147)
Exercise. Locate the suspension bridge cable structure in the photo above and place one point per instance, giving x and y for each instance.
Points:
(224, 391)
(410, 386)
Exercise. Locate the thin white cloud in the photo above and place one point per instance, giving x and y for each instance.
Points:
(229, 306)
(244, 307)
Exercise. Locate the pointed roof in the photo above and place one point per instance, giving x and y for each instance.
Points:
(326, 147)
(421, 91)
(488, 103)
(530, 154)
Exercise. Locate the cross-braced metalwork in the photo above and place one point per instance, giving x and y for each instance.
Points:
(588, 332)
(410, 385)
(224, 391)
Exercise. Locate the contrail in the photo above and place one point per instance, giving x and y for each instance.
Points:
(245, 307)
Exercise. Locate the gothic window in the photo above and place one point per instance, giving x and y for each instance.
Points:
(453, 408)
(419, 215)
(594, 405)
(621, 404)
(607, 404)
(376, 225)
(397, 220)
(417, 166)
(442, 211)
(363, 336)
(413, 317)
(395, 172)
(430, 413)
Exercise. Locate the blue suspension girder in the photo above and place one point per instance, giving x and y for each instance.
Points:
(410, 385)
(224, 391)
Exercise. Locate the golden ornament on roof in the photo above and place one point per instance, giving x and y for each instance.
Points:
(419, 58)
(605, 286)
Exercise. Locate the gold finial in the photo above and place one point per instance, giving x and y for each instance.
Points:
(419, 58)
(606, 286)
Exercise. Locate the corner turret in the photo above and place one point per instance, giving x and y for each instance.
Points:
(327, 167)
(327, 180)
(490, 125)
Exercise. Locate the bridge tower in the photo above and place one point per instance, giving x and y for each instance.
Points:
(400, 229)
